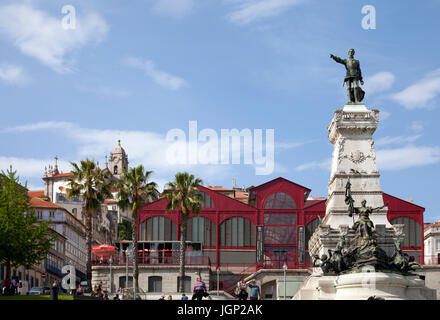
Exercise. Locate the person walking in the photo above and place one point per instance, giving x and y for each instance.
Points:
(184, 297)
(241, 290)
(255, 292)
(54, 291)
(199, 290)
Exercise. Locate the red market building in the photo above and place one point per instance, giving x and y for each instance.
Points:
(265, 226)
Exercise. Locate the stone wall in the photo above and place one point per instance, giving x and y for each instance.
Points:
(169, 276)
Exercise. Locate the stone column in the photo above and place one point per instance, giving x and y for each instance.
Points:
(351, 133)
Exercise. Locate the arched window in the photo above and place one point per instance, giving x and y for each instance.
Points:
(155, 284)
(412, 231)
(237, 232)
(158, 229)
(200, 229)
(310, 229)
(115, 170)
(206, 201)
(280, 200)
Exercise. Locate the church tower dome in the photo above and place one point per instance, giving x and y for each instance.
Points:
(118, 161)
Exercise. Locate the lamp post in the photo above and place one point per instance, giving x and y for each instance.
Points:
(285, 269)
(126, 268)
(218, 281)
(111, 274)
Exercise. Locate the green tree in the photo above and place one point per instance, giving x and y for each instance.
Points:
(133, 193)
(91, 184)
(183, 195)
(124, 230)
(23, 240)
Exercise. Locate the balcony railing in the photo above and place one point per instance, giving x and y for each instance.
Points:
(431, 259)
(159, 260)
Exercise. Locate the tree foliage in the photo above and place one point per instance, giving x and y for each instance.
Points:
(91, 184)
(124, 230)
(133, 193)
(23, 240)
(183, 195)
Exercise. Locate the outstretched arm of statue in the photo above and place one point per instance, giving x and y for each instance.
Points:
(378, 208)
(337, 59)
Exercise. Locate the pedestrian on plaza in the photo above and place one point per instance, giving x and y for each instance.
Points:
(255, 292)
(80, 290)
(116, 297)
(7, 286)
(162, 297)
(106, 297)
(170, 297)
(199, 290)
(100, 287)
(184, 297)
(95, 291)
(54, 291)
(241, 290)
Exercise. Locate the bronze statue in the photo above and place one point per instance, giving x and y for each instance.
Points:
(364, 224)
(352, 77)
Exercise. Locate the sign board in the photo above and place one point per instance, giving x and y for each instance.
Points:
(43, 275)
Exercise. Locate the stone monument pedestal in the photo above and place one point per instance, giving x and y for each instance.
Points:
(364, 285)
(358, 264)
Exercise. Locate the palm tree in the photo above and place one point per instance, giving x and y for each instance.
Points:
(90, 183)
(183, 195)
(133, 193)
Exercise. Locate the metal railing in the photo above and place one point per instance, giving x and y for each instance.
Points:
(160, 260)
(430, 259)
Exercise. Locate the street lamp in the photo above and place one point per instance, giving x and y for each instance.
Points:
(126, 268)
(218, 281)
(111, 275)
(285, 270)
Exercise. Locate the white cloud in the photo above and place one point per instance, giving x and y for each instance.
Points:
(384, 115)
(422, 94)
(41, 36)
(396, 140)
(175, 8)
(325, 165)
(13, 75)
(142, 147)
(159, 77)
(417, 126)
(391, 159)
(406, 157)
(247, 11)
(29, 167)
(48, 125)
(381, 81)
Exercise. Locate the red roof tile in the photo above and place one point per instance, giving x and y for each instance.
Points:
(33, 194)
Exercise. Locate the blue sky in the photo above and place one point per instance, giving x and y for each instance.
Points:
(134, 72)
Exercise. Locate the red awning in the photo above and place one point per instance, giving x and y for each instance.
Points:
(103, 250)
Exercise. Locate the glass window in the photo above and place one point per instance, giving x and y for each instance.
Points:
(206, 201)
(237, 232)
(280, 200)
(186, 284)
(200, 229)
(155, 284)
(159, 229)
(437, 245)
(280, 219)
(412, 230)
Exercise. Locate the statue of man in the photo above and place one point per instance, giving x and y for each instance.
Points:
(352, 77)
(364, 224)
